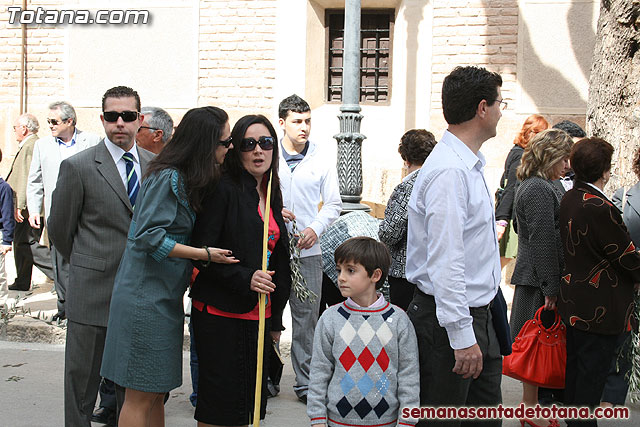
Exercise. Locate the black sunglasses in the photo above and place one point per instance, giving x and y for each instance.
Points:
(55, 122)
(249, 144)
(127, 116)
(226, 143)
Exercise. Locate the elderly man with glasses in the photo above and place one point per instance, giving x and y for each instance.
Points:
(156, 129)
(26, 243)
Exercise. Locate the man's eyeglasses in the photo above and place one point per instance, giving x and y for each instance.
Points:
(503, 104)
(127, 116)
(55, 122)
(142, 127)
(226, 143)
(249, 144)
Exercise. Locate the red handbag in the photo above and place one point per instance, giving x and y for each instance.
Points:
(539, 354)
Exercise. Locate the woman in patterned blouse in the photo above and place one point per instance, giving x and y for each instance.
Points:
(415, 146)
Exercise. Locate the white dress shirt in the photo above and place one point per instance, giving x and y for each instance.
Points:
(117, 152)
(452, 245)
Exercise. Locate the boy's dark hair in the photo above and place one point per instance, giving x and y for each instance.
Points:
(0, 155)
(292, 103)
(573, 129)
(121, 92)
(367, 252)
(464, 88)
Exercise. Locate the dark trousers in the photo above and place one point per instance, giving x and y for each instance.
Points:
(107, 392)
(439, 386)
(617, 384)
(29, 252)
(589, 358)
(82, 360)
(401, 292)
(60, 276)
(330, 294)
(193, 362)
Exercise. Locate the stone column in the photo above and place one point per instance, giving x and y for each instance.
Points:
(350, 139)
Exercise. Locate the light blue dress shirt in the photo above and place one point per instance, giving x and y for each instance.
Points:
(452, 245)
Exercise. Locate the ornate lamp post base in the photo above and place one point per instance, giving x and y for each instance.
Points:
(350, 162)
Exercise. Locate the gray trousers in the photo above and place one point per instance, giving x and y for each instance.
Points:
(304, 316)
(439, 386)
(82, 360)
(60, 276)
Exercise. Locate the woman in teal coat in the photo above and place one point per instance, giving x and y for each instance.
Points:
(143, 349)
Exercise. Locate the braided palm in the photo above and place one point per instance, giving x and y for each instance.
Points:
(298, 282)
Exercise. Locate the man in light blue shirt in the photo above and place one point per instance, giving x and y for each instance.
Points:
(452, 251)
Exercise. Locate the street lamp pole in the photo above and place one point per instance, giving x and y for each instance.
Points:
(350, 139)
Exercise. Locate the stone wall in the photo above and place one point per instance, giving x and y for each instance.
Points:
(474, 32)
(237, 55)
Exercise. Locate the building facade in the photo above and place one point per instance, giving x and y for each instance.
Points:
(246, 55)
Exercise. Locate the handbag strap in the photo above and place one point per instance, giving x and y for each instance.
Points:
(556, 322)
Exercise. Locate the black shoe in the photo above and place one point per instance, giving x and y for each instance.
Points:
(104, 416)
(16, 287)
(61, 316)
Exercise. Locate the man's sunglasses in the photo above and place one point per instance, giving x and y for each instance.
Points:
(55, 122)
(127, 116)
(226, 143)
(249, 144)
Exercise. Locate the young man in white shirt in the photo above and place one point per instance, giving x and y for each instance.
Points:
(306, 180)
(452, 252)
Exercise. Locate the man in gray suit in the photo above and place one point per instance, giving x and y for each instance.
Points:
(65, 140)
(26, 240)
(91, 209)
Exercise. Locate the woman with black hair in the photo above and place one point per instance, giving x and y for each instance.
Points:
(225, 296)
(143, 349)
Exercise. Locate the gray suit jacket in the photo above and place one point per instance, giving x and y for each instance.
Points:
(45, 165)
(540, 258)
(630, 211)
(88, 225)
(19, 172)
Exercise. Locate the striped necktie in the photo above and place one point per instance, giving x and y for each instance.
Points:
(132, 178)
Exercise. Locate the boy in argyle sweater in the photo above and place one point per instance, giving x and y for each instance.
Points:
(364, 367)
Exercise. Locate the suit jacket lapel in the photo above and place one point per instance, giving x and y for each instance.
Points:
(109, 171)
(144, 161)
(54, 152)
(633, 198)
(81, 140)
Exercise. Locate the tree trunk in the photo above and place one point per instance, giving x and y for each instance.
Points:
(613, 110)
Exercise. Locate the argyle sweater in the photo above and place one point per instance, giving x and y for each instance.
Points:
(364, 368)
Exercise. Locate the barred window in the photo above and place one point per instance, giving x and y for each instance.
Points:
(375, 55)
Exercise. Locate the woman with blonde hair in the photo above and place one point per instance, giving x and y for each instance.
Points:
(504, 200)
(537, 212)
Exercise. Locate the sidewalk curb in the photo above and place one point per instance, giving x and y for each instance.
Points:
(23, 328)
